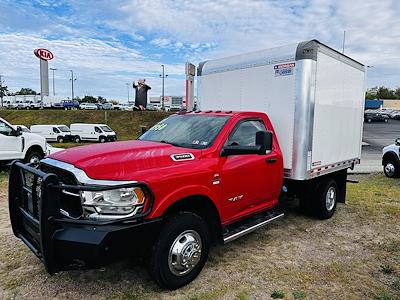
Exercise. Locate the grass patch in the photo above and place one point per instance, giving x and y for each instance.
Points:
(125, 123)
(299, 295)
(378, 196)
(387, 269)
(278, 295)
(386, 296)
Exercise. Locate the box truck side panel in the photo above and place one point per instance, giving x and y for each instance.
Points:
(248, 83)
(338, 111)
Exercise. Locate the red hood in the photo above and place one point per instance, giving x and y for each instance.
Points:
(120, 160)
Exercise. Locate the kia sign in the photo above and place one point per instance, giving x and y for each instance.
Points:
(43, 54)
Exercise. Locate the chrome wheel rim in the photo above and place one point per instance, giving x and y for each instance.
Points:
(34, 159)
(389, 169)
(185, 253)
(330, 198)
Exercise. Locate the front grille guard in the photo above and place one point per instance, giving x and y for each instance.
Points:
(35, 211)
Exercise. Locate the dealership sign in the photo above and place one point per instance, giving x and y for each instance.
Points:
(43, 54)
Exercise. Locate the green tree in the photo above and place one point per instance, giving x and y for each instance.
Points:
(4, 91)
(385, 93)
(371, 93)
(26, 91)
(89, 99)
(101, 99)
(397, 93)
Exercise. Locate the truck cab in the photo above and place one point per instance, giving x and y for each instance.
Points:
(187, 182)
(16, 144)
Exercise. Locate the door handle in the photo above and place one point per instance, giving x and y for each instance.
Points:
(271, 160)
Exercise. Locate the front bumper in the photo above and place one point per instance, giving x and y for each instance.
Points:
(63, 243)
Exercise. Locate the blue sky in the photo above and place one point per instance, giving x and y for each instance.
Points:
(110, 43)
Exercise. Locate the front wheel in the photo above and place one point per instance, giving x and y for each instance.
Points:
(33, 157)
(391, 169)
(60, 139)
(102, 139)
(77, 139)
(180, 252)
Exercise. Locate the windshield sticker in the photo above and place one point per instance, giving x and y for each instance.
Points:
(182, 157)
(284, 69)
(159, 126)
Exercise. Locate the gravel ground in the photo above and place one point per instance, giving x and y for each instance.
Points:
(354, 255)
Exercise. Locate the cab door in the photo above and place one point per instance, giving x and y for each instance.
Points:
(249, 181)
(11, 146)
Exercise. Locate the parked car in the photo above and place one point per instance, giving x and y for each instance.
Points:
(69, 104)
(107, 106)
(391, 159)
(151, 107)
(118, 106)
(88, 106)
(20, 145)
(92, 132)
(375, 117)
(53, 133)
(31, 104)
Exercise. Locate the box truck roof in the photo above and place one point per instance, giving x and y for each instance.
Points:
(292, 52)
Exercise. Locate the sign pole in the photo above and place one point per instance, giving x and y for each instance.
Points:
(190, 70)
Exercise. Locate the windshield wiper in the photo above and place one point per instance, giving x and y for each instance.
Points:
(171, 143)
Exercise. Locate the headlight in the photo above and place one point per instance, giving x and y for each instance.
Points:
(113, 202)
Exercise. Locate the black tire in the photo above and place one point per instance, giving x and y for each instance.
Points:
(102, 139)
(369, 120)
(60, 139)
(391, 168)
(322, 207)
(77, 139)
(386, 120)
(161, 269)
(33, 156)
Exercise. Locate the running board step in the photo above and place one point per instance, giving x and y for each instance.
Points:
(241, 228)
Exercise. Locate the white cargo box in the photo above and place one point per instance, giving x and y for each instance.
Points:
(313, 95)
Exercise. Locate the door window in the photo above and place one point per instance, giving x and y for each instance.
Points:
(245, 133)
(97, 129)
(55, 130)
(5, 129)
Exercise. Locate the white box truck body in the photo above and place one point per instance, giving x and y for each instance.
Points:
(313, 95)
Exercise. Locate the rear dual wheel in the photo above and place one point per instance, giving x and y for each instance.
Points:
(321, 201)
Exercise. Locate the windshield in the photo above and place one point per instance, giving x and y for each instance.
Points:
(106, 128)
(190, 131)
(64, 128)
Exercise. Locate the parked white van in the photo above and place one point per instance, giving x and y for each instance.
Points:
(92, 132)
(53, 133)
(16, 144)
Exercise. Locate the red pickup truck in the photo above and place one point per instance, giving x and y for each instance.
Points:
(192, 180)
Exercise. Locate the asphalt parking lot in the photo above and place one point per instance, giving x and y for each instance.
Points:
(376, 136)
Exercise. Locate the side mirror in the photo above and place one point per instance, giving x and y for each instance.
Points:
(397, 142)
(264, 139)
(143, 129)
(18, 131)
(263, 146)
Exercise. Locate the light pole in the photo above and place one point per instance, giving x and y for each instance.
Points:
(54, 89)
(344, 40)
(163, 76)
(1, 90)
(127, 86)
(72, 79)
